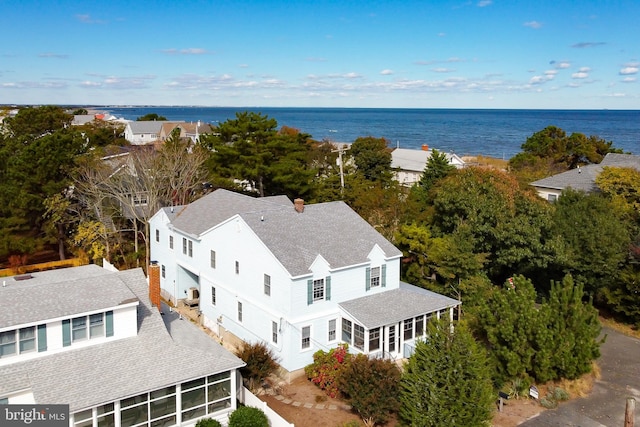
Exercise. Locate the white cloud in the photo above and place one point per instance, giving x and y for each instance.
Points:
(533, 24)
(629, 80)
(628, 70)
(386, 72)
(187, 51)
(53, 55)
(443, 70)
(580, 75)
(536, 80)
(561, 65)
(485, 3)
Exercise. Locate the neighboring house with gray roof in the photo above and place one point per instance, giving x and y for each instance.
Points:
(297, 277)
(582, 178)
(144, 132)
(409, 164)
(89, 338)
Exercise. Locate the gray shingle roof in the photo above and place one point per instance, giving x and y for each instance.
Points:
(415, 160)
(584, 178)
(59, 293)
(112, 370)
(332, 230)
(393, 306)
(147, 126)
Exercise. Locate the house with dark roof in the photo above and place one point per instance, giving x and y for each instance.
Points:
(297, 277)
(89, 338)
(582, 178)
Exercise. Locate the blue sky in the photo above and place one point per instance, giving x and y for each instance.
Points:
(560, 54)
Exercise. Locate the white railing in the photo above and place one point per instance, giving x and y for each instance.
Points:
(250, 399)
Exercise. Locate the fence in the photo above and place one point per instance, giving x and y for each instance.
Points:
(250, 399)
(23, 269)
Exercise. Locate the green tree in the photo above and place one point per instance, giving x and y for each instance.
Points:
(575, 326)
(446, 381)
(551, 151)
(510, 225)
(507, 324)
(250, 151)
(595, 239)
(151, 117)
(372, 158)
(371, 386)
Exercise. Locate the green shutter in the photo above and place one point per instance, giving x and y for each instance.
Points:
(309, 292)
(327, 290)
(66, 332)
(42, 338)
(367, 284)
(109, 323)
(383, 279)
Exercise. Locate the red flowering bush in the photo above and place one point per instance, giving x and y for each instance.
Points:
(326, 368)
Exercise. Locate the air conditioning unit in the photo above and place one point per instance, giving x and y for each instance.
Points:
(192, 294)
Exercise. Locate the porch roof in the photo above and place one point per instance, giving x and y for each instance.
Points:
(385, 308)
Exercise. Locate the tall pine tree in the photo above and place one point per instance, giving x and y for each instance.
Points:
(446, 381)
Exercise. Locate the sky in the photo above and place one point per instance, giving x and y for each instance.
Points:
(560, 54)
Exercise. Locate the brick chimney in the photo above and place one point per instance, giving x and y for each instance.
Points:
(425, 147)
(299, 205)
(154, 284)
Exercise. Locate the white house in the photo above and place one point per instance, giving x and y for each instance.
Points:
(89, 338)
(582, 178)
(299, 278)
(409, 164)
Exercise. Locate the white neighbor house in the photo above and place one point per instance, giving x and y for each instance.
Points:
(409, 164)
(299, 278)
(89, 338)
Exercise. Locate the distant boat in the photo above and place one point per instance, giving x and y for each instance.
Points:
(333, 130)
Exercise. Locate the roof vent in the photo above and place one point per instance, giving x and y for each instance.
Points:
(23, 277)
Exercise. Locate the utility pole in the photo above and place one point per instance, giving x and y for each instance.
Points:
(341, 150)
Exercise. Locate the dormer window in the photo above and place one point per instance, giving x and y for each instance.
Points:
(376, 277)
(318, 290)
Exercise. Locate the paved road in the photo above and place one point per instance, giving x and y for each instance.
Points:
(605, 406)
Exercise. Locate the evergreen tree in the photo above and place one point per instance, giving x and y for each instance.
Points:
(446, 381)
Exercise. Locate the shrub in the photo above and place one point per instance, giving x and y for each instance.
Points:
(372, 387)
(326, 368)
(260, 361)
(247, 416)
(208, 422)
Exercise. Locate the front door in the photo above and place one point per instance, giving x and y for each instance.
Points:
(392, 340)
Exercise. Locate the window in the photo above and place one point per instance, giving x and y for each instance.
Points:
(358, 336)
(392, 339)
(408, 329)
(4, 400)
(332, 330)
(213, 296)
(375, 277)
(237, 267)
(552, 198)
(239, 311)
(306, 337)
(27, 339)
(164, 272)
(191, 248)
(318, 290)
(419, 326)
(346, 331)
(274, 332)
(212, 260)
(374, 339)
(7, 343)
(79, 329)
(96, 325)
(184, 246)
(157, 235)
(267, 284)
(170, 242)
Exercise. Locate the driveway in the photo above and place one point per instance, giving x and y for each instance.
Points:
(605, 406)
